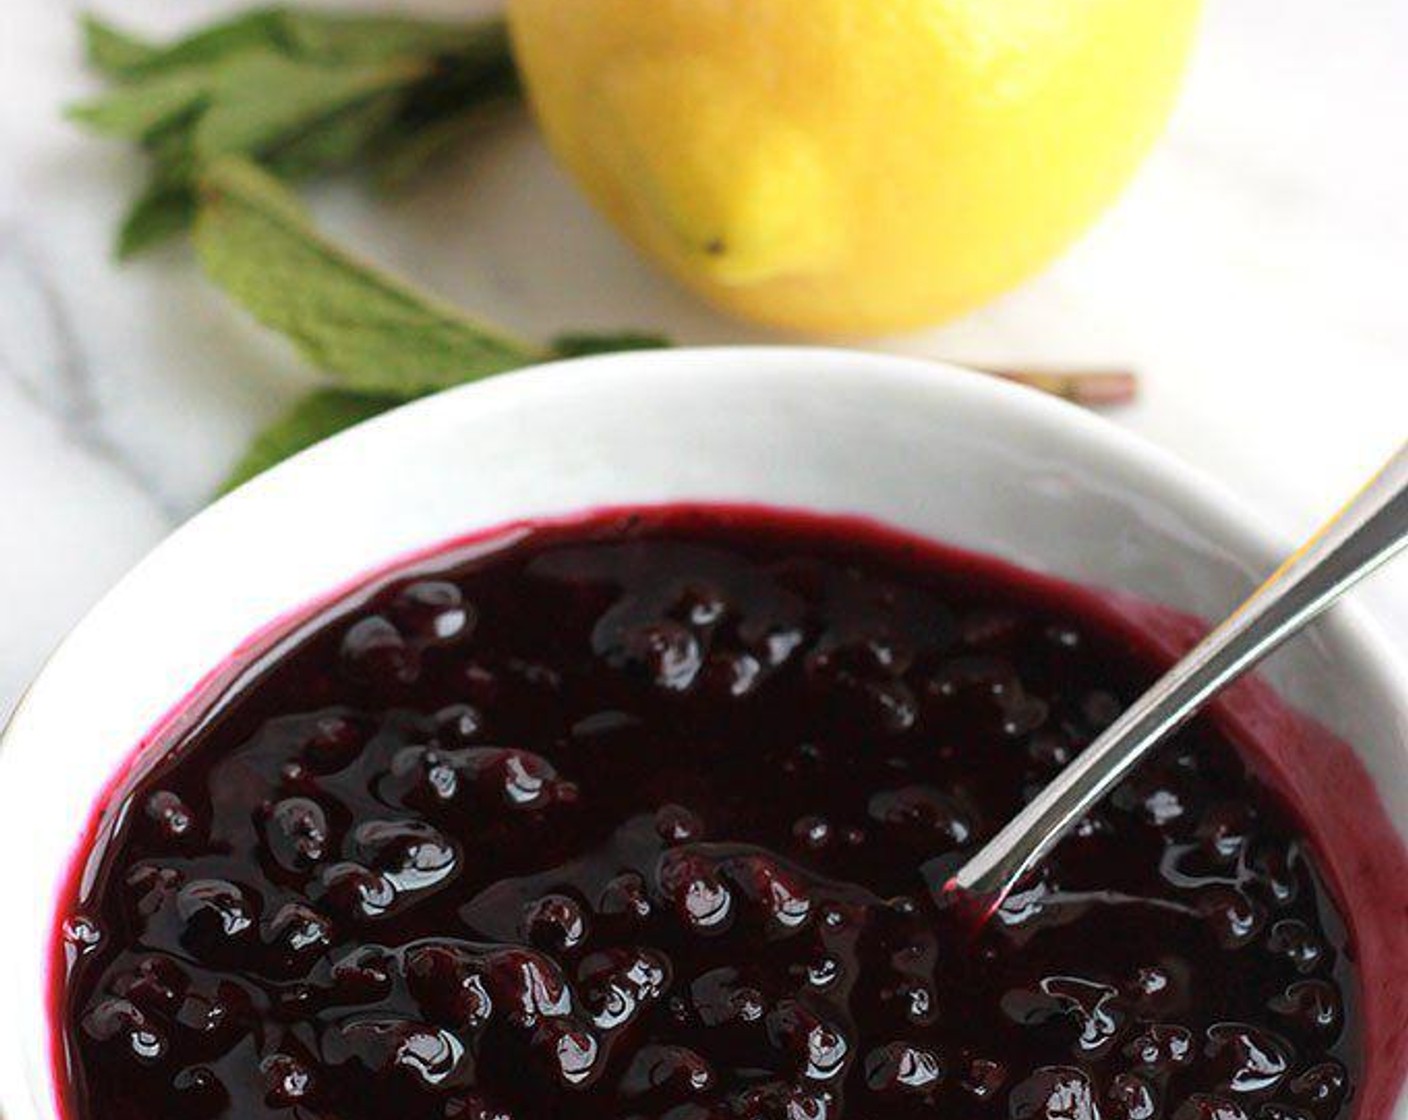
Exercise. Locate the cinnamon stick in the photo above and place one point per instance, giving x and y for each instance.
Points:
(1102, 388)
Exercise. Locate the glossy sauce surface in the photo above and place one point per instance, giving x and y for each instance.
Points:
(641, 817)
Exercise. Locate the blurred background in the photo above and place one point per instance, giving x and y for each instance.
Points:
(1253, 275)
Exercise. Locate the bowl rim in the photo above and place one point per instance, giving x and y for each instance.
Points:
(1219, 507)
(1216, 498)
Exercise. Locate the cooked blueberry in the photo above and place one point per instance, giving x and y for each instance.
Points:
(332, 742)
(1209, 1106)
(156, 984)
(357, 891)
(1311, 1005)
(677, 824)
(1293, 940)
(693, 885)
(473, 1106)
(1323, 1083)
(723, 995)
(1248, 1059)
(665, 654)
(374, 652)
(626, 896)
(616, 984)
(524, 779)
(779, 894)
(363, 975)
(527, 985)
(458, 725)
(1235, 919)
(215, 913)
(297, 833)
(216, 1013)
(899, 1067)
(81, 934)
(1131, 1098)
(200, 1092)
(1161, 1047)
(924, 810)
(568, 1050)
(152, 886)
(448, 984)
(118, 1022)
(287, 1080)
(172, 818)
(672, 1072)
(298, 930)
(1225, 829)
(409, 855)
(434, 611)
(555, 922)
(1054, 1093)
(813, 831)
(424, 1057)
(818, 1048)
(982, 1077)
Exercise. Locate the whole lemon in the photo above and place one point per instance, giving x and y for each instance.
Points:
(851, 165)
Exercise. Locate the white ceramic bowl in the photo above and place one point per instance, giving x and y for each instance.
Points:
(939, 451)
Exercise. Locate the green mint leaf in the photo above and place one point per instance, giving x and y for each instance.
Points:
(127, 58)
(261, 98)
(374, 332)
(114, 52)
(315, 36)
(336, 141)
(256, 29)
(578, 345)
(297, 92)
(407, 151)
(163, 211)
(319, 415)
(139, 112)
(355, 38)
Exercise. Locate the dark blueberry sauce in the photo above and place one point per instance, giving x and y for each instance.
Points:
(644, 817)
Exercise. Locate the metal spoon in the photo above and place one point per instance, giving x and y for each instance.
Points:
(1366, 533)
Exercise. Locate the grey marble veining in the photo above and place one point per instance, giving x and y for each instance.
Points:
(42, 355)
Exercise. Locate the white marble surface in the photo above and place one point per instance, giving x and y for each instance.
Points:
(1254, 275)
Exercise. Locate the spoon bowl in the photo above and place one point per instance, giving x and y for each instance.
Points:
(1364, 535)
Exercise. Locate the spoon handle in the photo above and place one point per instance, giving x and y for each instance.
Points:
(1358, 539)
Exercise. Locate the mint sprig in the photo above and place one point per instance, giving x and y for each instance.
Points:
(328, 38)
(370, 331)
(235, 113)
(382, 340)
(299, 93)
